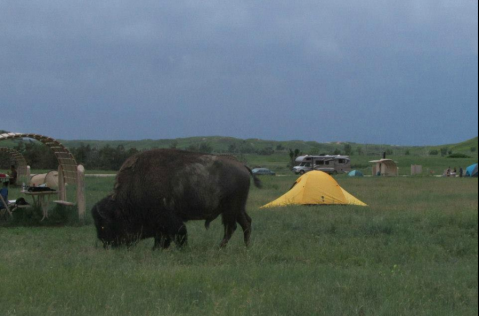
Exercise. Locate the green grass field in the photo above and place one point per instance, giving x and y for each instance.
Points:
(414, 251)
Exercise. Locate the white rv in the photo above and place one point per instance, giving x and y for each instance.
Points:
(328, 164)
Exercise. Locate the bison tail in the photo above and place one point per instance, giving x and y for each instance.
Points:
(257, 182)
(207, 224)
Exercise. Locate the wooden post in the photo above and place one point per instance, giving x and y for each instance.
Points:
(28, 176)
(81, 193)
(62, 192)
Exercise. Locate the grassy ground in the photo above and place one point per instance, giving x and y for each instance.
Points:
(414, 251)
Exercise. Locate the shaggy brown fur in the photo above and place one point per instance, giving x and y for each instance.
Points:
(157, 191)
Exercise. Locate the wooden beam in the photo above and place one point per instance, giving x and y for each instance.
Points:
(81, 193)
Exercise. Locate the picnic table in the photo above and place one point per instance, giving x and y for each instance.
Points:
(42, 199)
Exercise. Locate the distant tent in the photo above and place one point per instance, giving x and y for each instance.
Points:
(316, 188)
(472, 171)
(356, 173)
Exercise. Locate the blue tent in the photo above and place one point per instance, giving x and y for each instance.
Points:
(472, 171)
(356, 173)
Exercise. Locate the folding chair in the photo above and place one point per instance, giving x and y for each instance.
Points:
(5, 211)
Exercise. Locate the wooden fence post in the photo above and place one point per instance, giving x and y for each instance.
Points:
(81, 192)
(62, 192)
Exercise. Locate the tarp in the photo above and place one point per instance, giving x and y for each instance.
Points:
(356, 173)
(48, 179)
(316, 188)
(472, 171)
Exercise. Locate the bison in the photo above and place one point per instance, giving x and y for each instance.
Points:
(158, 191)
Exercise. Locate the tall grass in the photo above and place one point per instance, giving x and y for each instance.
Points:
(413, 251)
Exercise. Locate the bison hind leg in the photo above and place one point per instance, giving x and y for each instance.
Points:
(245, 222)
(230, 227)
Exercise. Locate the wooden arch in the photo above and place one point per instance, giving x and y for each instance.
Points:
(69, 172)
(20, 162)
(65, 159)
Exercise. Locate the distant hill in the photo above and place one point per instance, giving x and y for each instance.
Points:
(466, 147)
(230, 144)
(220, 144)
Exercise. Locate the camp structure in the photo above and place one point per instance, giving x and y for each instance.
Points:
(356, 173)
(316, 188)
(416, 169)
(385, 167)
(471, 171)
(70, 173)
(19, 161)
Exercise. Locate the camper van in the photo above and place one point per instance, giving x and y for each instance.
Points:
(328, 164)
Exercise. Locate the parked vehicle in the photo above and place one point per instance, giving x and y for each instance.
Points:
(328, 164)
(263, 172)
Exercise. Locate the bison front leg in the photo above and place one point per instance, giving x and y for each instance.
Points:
(181, 236)
(162, 241)
(176, 230)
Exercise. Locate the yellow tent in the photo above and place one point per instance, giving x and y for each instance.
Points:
(316, 187)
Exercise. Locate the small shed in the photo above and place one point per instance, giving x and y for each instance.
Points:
(385, 167)
(416, 169)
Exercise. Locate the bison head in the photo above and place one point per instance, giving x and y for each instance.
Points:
(110, 227)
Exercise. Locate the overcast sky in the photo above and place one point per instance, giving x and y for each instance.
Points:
(370, 71)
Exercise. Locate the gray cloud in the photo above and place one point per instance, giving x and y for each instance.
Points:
(368, 71)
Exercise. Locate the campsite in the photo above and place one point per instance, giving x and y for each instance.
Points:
(412, 250)
(239, 158)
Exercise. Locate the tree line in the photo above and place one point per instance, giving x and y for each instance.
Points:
(39, 156)
(108, 157)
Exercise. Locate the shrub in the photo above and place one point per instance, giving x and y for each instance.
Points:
(268, 151)
(460, 156)
(348, 149)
